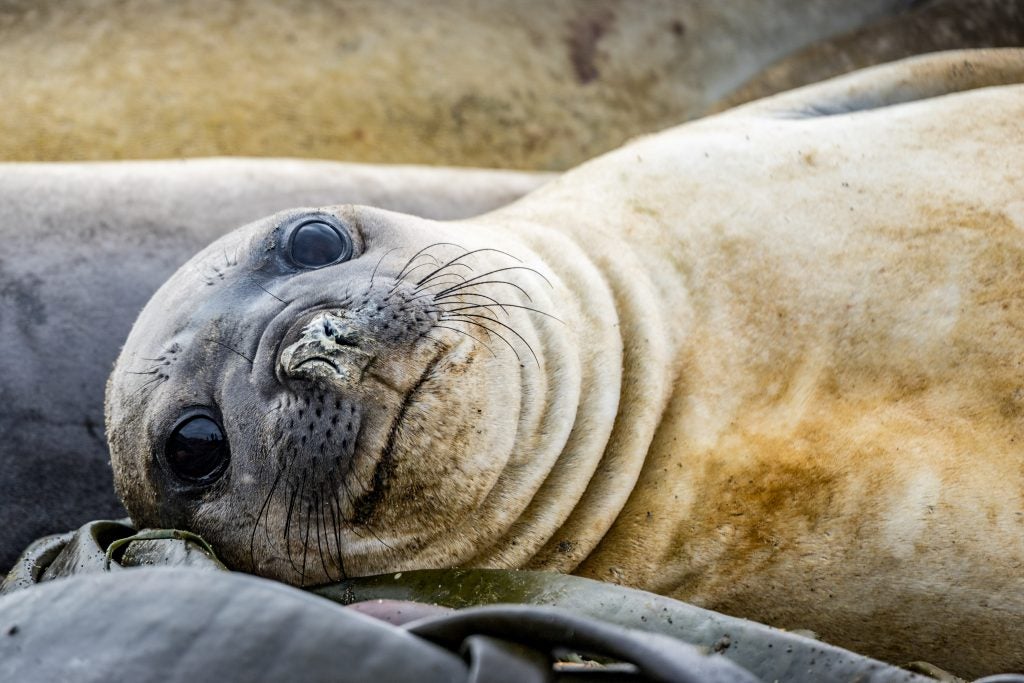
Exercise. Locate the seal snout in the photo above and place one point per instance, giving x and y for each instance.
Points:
(328, 348)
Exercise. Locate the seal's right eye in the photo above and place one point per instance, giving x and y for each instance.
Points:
(197, 450)
(317, 243)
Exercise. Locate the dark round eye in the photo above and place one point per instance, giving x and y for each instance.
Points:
(197, 450)
(316, 244)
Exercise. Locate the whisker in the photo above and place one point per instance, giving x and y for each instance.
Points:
(318, 504)
(438, 272)
(525, 308)
(437, 284)
(256, 526)
(453, 329)
(350, 499)
(305, 545)
(255, 282)
(495, 333)
(502, 270)
(457, 288)
(443, 312)
(148, 384)
(234, 351)
(457, 298)
(507, 327)
(416, 255)
(282, 472)
(413, 270)
(336, 520)
(287, 526)
(139, 372)
(381, 260)
(377, 536)
(459, 258)
(460, 279)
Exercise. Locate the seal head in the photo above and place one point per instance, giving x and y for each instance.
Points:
(307, 393)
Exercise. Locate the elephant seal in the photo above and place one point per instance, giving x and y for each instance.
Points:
(84, 247)
(527, 84)
(768, 362)
(929, 26)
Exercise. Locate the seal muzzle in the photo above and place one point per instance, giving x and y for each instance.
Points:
(329, 348)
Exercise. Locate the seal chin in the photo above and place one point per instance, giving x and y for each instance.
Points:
(329, 349)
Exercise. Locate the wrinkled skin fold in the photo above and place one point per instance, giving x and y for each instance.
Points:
(767, 362)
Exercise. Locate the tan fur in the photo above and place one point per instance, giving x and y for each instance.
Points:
(788, 387)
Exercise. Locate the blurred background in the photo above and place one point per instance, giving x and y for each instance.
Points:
(529, 84)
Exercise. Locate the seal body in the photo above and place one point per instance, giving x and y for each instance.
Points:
(767, 362)
(85, 246)
(921, 28)
(529, 84)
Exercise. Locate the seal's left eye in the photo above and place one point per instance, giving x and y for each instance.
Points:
(197, 450)
(316, 244)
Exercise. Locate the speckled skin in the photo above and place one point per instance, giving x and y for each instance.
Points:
(784, 383)
(525, 84)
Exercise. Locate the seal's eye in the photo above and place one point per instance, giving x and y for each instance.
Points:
(197, 450)
(316, 244)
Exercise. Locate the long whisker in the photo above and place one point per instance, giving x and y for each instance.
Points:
(148, 384)
(350, 498)
(334, 504)
(413, 270)
(255, 282)
(283, 472)
(427, 292)
(401, 273)
(256, 526)
(400, 280)
(507, 327)
(460, 279)
(502, 270)
(380, 261)
(459, 287)
(438, 272)
(373, 532)
(318, 504)
(234, 351)
(496, 334)
(442, 312)
(305, 544)
(525, 308)
(459, 258)
(477, 340)
(296, 493)
(457, 299)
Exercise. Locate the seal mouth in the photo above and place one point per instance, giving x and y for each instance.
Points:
(313, 362)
